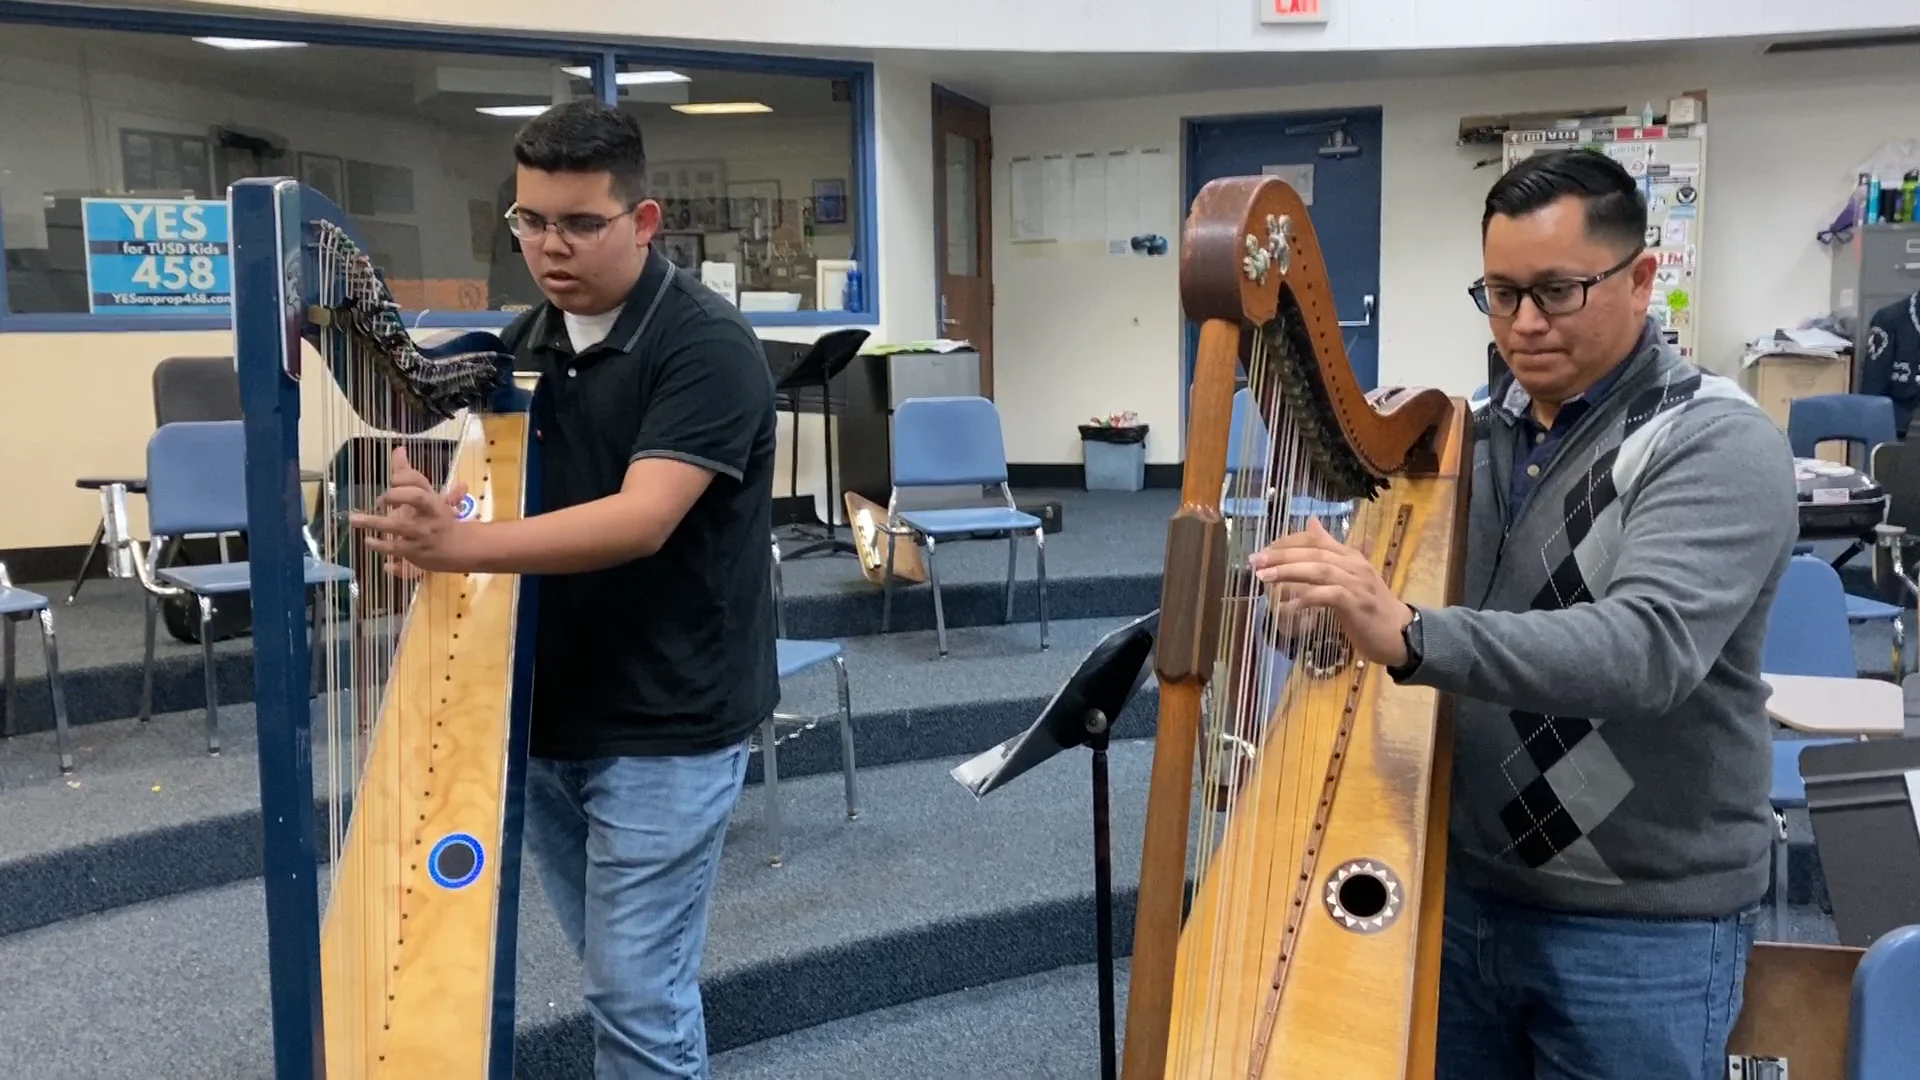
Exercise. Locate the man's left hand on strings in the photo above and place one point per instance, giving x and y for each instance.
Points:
(1311, 569)
(417, 528)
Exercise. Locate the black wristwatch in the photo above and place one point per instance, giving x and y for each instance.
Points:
(1412, 637)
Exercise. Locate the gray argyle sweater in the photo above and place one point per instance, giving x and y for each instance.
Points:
(1613, 749)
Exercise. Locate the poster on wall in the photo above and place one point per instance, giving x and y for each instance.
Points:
(157, 256)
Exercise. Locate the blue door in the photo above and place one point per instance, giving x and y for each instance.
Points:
(1342, 148)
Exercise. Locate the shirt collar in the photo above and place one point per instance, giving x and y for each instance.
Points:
(625, 335)
(1518, 404)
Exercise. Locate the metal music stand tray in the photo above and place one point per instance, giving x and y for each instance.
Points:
(1082, 713)
(827, 358)
(1864, 799)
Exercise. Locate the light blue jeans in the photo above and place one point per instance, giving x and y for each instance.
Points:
(627, 850)
(1536, 995)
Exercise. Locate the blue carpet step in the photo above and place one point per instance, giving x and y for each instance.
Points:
(930, 892)
(147, 813)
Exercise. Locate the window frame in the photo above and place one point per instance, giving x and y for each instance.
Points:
(604, 57)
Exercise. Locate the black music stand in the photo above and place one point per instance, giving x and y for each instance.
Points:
(1082, 713)
(828, 357)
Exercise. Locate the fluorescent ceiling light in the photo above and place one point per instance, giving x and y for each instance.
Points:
(633, 78)
(513, 110)
(721, 108)
(248, 44)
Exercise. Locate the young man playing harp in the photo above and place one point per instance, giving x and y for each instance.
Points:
(1630, 517)
(655, 646)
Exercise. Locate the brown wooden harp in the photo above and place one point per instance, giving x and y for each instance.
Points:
(1309, 789)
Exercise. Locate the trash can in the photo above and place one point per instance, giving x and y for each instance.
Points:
(1115, 455)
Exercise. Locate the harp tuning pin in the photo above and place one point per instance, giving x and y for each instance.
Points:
(1280, 239)
(1259, 258)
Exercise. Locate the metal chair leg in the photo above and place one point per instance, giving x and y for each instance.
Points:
(886, 586)
(1040, 574)
(1899, 647)
(1780, 876)
(7, 641)
(846, 738)
(206, 654)
(770, 772)
(86, 561)
(146, 664)
(1013, 567)
(939, 610)
(53, 683)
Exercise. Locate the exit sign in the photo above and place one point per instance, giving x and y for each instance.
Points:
(1293, 11)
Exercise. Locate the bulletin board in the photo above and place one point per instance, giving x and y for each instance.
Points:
(1670, 163)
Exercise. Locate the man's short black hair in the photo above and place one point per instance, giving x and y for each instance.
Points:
(586, 136)
(1616, 211)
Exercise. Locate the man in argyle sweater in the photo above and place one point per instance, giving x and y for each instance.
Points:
(1630, 518)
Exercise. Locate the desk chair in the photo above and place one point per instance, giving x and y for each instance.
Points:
(1807, 634)
(954, 442)
(1865, 421)
(17, 606)
(196, 484)
(1883, 1040)
(793, 657)
(186, 389)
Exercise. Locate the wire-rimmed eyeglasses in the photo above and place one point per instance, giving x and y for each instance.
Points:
(529, 227)
(1559, 296)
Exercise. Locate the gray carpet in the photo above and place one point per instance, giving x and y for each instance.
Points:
(1041, 1027)
(147, 813)
(931, 891)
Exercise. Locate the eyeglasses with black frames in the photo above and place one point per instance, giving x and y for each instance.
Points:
(1559, 296)
(530, 227)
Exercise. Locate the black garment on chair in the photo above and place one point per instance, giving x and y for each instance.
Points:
(191, 389)
(1891, 366)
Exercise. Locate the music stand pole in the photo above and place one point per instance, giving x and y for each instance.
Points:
(1097, 728)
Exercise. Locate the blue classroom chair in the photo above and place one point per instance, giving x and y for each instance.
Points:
(1807, 634)
(1864, 421)
(16, 606)
(793, 656)
(1883, 1024)
(956, 442)
(196, 486)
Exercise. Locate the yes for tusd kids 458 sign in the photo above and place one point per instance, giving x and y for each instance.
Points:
(157, 256)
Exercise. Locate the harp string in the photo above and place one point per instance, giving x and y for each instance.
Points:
(1267, 733)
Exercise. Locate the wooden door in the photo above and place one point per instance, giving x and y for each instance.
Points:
(963, 225)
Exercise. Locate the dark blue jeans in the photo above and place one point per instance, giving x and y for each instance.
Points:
(1536, 995)
(627, 850)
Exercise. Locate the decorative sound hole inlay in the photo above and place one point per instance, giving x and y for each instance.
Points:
(455, 861)
(1364, 896)
(468, 506)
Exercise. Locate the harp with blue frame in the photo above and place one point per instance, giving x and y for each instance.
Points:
(392, 707)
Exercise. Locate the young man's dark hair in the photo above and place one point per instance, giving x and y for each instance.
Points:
(1616, 211)
(586, 136)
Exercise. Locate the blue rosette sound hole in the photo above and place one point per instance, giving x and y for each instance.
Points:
(455, 861)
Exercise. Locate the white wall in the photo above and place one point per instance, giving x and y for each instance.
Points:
(1103, 334)
(1127, 25)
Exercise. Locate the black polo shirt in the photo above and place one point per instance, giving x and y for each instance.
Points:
(672, 653)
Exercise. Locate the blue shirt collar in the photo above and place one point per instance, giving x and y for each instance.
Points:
(1518, 404)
